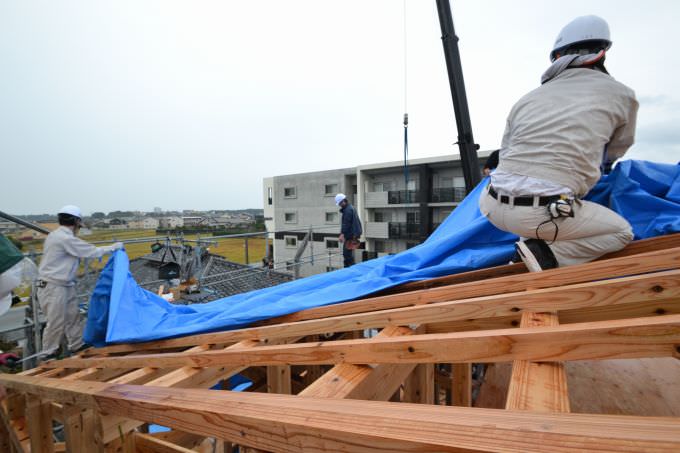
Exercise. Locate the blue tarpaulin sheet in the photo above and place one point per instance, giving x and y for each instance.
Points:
(646, 194)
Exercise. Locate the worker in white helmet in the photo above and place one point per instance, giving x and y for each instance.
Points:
(557, 139)
(350, 229)
(56, 279)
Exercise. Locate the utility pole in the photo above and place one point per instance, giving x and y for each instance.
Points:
(466, 143)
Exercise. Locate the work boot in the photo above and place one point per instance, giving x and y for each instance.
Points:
(80, 349)
(536, 255)
(48, 357)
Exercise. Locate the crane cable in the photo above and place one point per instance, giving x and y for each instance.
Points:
(406, 176)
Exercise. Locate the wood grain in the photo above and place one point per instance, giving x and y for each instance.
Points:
(628, 338)
(293, 424)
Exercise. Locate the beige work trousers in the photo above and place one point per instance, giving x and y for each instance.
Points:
(60, 307)
(593, 231)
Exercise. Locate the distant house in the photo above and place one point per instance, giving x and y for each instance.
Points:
(118, 224)
(190, 221)
(143, 223)
(171, 222)
(7, 227)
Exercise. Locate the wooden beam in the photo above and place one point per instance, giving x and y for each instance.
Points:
(650, 308)
(270, 422)
(538, 386)
(17, 437)
(419, 387)
(82, 430)
(39, 415)
(634, 248)
(278, 379)
(616, 267)
(5, 441)
(112, 426)
(461, 384)
(377, 383)
(626, 290)
(628, 338)
(145, 443)
(183, 439)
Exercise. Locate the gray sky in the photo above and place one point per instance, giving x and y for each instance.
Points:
(185, 104)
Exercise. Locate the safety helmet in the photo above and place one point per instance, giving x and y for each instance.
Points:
(71, 210)
(339, 197)
(580, 30)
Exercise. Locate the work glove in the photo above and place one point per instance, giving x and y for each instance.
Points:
(9, 359)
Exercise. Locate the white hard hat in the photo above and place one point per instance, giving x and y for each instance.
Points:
(72, 210)
(339, 197)
(581, 29)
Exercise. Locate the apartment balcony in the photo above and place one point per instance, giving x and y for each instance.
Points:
(376, 199)
(376, 230)
(403, 196)
(447, 195)
(404, 230)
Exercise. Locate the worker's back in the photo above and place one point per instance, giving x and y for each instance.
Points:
(558, 131)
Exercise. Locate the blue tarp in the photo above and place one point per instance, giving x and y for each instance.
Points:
(645, 193)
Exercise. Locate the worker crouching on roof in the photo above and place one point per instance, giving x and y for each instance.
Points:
(350, 231)
(56, 281)
(555, 141)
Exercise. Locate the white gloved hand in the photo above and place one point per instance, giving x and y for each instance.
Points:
(117, 246)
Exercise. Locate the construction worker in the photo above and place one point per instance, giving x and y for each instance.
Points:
(557, 137)
(56, 279)
(350, 230)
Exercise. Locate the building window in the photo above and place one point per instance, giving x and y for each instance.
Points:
(332, 243)
(331, 217)
(445, 182)
(290, 192)
(291, 242)
(410, 245)
(379, 246)
(331, 268)
(382, 216)
(411, 184)
(290, 217)
(379, 187)
(459, 181)
(270, 196)
(330, 189)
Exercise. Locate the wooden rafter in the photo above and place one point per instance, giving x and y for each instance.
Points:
(626, 305)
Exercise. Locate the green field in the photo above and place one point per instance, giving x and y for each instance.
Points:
(232, 249)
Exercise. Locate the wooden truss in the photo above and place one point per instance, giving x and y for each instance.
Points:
(321, 385)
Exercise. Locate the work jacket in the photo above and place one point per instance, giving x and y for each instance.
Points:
(558, 132)
(61, 254)
(351, 225)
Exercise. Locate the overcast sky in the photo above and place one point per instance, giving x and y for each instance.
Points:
(128, 105)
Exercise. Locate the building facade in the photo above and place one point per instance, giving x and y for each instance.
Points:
(398, 209)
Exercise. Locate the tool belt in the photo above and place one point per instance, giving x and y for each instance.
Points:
(524, 201)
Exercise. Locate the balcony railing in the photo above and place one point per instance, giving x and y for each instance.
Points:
(404, 230)
(403, 196)
(447, 194)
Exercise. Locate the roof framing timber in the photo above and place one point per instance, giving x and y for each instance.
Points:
(624, 306)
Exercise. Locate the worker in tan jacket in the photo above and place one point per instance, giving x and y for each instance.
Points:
(556, 140)
(56, 281)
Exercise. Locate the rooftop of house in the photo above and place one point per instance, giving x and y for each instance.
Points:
(218, 276)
